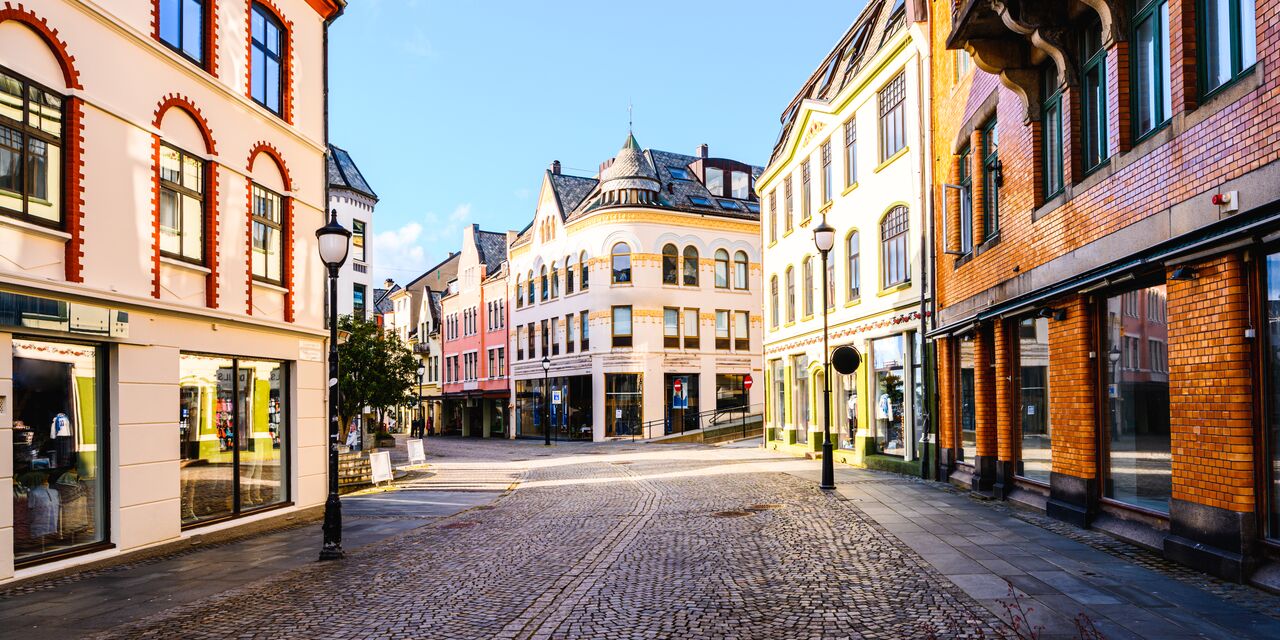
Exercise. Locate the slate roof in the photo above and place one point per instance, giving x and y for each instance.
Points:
(344, 174)
(571, 190)
(491, 246)
(433, 302)
(382, 299)
(878, 21)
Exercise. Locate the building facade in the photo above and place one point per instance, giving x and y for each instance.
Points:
(415, 319)
(630, 282)
(354, 200)
(476, 395)
(161, 297)
(853, 153)
(1107, 277)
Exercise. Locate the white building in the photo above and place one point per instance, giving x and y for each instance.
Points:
(629, 281)
(852, 151)
(354, 200)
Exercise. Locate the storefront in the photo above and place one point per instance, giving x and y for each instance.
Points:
(623, 404)
(570, 418)
(681, 418)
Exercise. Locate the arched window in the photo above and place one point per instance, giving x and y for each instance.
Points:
(542, 282)
(670, 264)
(621, 258)
(740, 270)
(722, 269)
(773, 302)
(691, 266)
(555, 279)
(568, 276)
(807, 269)
(529, 287)
(519, 293)
(854, 275)
(582, 268)
(791, 294)
(893, 247)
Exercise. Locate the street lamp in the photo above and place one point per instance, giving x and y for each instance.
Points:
(824, 237)
(546, 399)
(422, 420)
(334, 242)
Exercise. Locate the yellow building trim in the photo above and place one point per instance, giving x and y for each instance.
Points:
(894, 289)
(694, 221)
(848, 189)
(888, 161)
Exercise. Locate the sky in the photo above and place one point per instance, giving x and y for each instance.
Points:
(453, 109)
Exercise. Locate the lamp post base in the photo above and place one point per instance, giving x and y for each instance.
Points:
(828, 466)
(332, 549)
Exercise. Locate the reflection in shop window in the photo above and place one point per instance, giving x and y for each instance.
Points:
(887, 362)
(1033, 414)
(59, 500)
(800, 395)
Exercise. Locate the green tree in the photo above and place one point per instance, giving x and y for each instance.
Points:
(376, 369)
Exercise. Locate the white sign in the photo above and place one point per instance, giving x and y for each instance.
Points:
(617, 413)
(555, 396)
(380, 462)
(310, 350)
(417, 454)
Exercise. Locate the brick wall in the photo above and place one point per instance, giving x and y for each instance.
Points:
(1210, 386)
(1005, 402)
(946, 394)
(984, 383)
(1073, 391)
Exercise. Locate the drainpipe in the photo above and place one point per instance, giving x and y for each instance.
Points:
(927, 358)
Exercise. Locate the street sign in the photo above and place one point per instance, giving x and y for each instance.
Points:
(747, 382)
(555, 396)
(846, 359)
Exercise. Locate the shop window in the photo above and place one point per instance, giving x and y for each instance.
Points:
(623, 404)
(722, 269)
(800, 397)
(1137, 458)
(692, 339)
(778, 378)
(670, 328)
(722, 330)
(1151, 76)
(968, 407)
(59, 448)
(670, 264)
(741, 269)
(182, 27)
(1036, 458)
(731, 392)
(232, 432)
(1051, 129)
(1093, 105)
(1229, 37)
(30, 151)
(621, 258)
(1272, 393)
(268, 231)
(741, 331)
(182, 178)
(621, 326)
(683, 416)
(888, 365)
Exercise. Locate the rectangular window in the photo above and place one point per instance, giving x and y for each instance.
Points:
(806, 192)
(741, 331)
(1151, 90)
(268, 230)
(670, 328)
(60, 448)
(182, 27)
(1093, 104)
(493, 360)
(357, 301)
(555, 336)
(1035, 461)
(568, 334)
(1229, 41)
(546, 339)
(991, 159)
(30, 151)
(182, 178)
(739, 185)
(531, 340)
(791, 294)
(963, 63)
(267, 55)
(715, 181)
(893, 117)
(773, 216)
(357, 243)
(232, 434)
(1137, 439)
(691, 338)
(966, 200)
(519, 343)
(787, 203)
(584, 327)
(854, 275)
(1051, 138)
(850, 153)
(722, 330)
(621, 326)
(774, 312)
(828, 178)
(807, 274)
(502, 363)
(968, 410)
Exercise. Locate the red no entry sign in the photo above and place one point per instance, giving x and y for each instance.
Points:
(678, 385)
(747, 382)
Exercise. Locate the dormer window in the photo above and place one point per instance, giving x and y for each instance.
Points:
(715, 181)
(740, 185)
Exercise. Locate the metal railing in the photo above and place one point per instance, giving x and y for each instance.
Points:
(674, 424)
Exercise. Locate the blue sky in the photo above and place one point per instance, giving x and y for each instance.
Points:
(453, 109)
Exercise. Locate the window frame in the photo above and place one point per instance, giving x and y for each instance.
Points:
(691, 339)
(828, 174)
(892, 99)
(1090, 114)
(853, 265)
(621, 340)
(181, 190)
(278, 226)
(281, 58)
(891, 241)
(741, 271)
(1050, 150)
(1236, 32)
(775, 314)
(991, 193)
(806, 191)
(850, 152)
(689, 276)
(806, 275)
(966, 200)
(741, 339)
(723, 277)
(787, 204)
(723, 343)
(1150, 10)
(26, 132)
(670, 264)
(614, 255)
(203, 60)
(791, 293)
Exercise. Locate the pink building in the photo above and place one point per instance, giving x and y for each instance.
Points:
(474, 344)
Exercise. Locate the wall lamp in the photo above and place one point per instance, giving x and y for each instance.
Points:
(1184, 273)
(997, 173)
(1050, 312)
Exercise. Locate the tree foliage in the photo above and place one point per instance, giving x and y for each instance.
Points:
(375, 368)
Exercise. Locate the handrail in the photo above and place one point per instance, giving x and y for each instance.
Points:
(711, 418)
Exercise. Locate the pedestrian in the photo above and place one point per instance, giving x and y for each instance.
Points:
(431, 428)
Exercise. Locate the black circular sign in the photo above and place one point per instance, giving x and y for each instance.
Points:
(846, 359)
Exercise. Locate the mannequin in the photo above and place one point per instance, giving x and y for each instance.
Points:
(60, 433)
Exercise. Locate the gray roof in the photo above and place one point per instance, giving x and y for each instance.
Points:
(491, 246)
(344, 174)
(382, 299)
(434, 298)
(629, 163)
(571, 190)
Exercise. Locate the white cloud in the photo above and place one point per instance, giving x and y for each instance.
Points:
(406, 252)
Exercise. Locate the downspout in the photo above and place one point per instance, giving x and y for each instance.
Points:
(324, 61)
(928, 357)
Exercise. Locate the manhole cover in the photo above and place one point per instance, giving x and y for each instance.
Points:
(763, 507)
(457, 525)
(730, 514)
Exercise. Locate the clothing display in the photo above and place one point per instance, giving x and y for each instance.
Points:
(43, 508)
(884, 408)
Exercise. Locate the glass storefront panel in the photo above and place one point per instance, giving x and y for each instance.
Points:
(1033, 415)
(1137, 396)
(731, 392)
(688, 416)
(1272, 314)
(233, 435)
(59, 499)
(623, 404)
(570, 419)
(845, 393)
(778, 378)
(529, 408)
(800, 395)
(917, 395)
(887, 364)
(968, 415)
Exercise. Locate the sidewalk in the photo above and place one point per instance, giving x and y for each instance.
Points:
(987, 548)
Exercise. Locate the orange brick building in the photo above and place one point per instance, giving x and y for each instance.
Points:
(1107, 322)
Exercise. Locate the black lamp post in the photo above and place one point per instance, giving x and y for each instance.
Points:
(824, 237)
(422, 420)
(334, 242)
(546, 399)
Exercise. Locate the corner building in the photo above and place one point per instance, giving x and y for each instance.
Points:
(161, 298)
(852, 152)
(1108, 268)
(626, 282)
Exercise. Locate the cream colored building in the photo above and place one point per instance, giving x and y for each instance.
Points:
(852, 150)
(354, 200)
(161, 298)
(629, 280)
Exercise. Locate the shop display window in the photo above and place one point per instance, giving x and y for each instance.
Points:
(968, 415)
(888, 387)
(623, 404)
(59, 491)
(1035, 461)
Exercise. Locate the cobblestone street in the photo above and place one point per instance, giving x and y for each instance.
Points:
(685, 541)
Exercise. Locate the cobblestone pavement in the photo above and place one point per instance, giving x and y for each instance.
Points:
(609, 541)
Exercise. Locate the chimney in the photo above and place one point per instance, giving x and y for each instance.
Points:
(389, 283)
(555, 167)
(704, 151)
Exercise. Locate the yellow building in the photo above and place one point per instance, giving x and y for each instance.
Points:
(852, 151)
